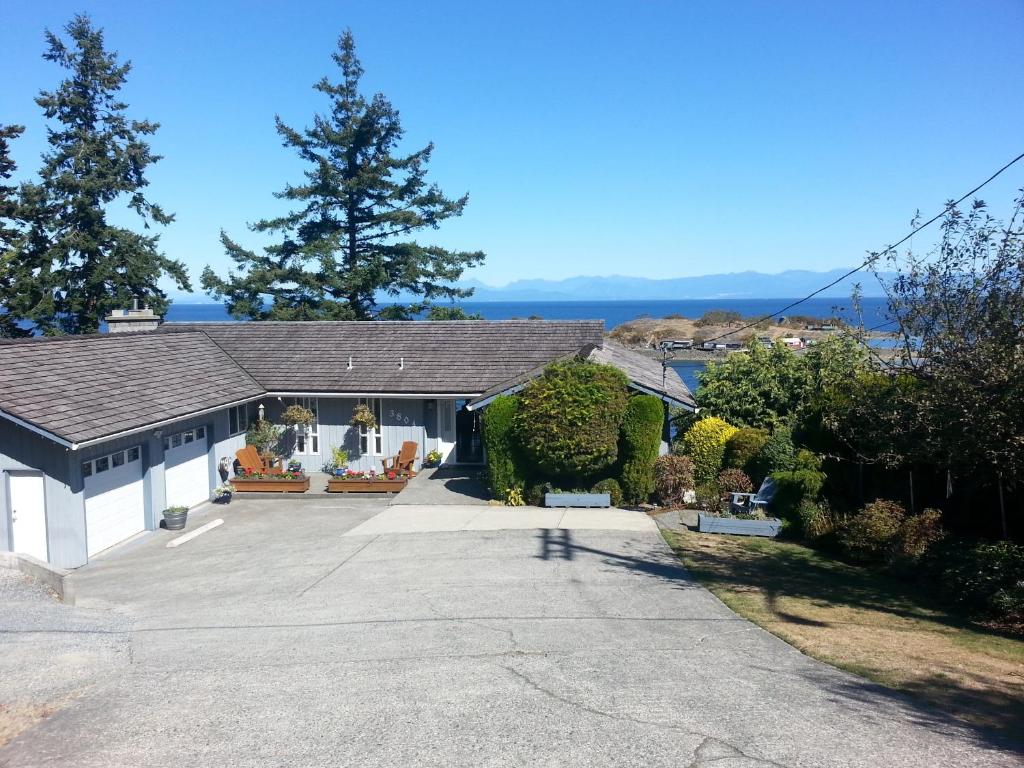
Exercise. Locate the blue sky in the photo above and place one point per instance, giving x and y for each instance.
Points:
(650, 139)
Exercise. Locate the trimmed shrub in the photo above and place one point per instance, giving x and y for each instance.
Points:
(817, 520)
(743, 448)
(793, 489)
(498, 435)
(641, 439)
(673, 477)
(569, 419)
(734, 481)
(872, 535)
(985, 577)
(610, 486)
(704, 443)
(709, 497)
(778, 454)
(805, 459)
(919, 533)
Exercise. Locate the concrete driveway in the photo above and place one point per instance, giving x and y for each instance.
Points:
(291, 637)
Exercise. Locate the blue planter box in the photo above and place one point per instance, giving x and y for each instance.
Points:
(577, 500)
(711, 524)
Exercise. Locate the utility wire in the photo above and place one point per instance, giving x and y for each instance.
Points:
(874, 256)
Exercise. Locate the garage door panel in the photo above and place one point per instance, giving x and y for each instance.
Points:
(187, 468)
(115, 507)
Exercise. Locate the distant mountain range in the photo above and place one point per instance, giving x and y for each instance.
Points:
(735, 285)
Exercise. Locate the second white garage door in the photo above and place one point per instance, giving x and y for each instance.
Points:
(186, 468)
(115, 505)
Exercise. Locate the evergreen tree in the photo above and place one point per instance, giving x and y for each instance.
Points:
(10, 233)
(81, 265)
(344, 242)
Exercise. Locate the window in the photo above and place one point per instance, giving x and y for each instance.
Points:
(200, 433)
(103, 464)
(111, 461)
(238, 419)
(176, 440)
(307, 436)
(133, 454)
(117, 459)
(87, 469)
(188, 436)
(370, 440)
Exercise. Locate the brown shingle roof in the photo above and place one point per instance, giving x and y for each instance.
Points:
(86, 387)
(400, 357)
(645, 371)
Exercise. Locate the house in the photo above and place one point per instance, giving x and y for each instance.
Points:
(100, 433)
(676, 344)
(793, 342)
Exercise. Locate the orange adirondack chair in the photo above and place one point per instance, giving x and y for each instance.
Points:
(404, 461)
(250, 460)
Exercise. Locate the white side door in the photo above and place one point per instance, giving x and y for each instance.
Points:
(115, 505)
(28, 514)
(446, 428)
(186, 468)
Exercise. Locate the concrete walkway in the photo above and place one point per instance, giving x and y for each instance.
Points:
(309, 634)
(430, 518)
(444, 486)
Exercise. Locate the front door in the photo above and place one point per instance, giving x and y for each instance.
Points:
(469, 447)
(28, 514)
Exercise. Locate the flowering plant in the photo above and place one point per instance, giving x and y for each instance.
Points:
(245, 475)
(358, 474)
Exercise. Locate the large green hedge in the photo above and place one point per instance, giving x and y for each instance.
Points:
(569, 419)
(641, 439)
(499, 439)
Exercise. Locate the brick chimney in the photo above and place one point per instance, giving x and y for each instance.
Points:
(134, 319)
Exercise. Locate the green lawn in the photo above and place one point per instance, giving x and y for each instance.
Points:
(864, 622)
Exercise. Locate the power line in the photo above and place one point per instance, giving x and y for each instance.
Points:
(874, 256)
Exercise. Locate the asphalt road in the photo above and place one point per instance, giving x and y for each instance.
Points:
(276, 640)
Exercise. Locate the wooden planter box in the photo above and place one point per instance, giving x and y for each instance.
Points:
(338, 485)
(737, 527)
(577, 500)
(270, 485)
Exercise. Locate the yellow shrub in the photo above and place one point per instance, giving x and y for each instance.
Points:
(704, 443)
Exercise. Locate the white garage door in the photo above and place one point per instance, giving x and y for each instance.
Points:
(187, 468)
(115, 506)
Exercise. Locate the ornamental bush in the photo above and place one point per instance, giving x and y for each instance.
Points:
(673, 477)
(743, 448)
(778, 453)
(610, 486)
(793, 490)
(733, 480)
(569, 419)
(704, 443)
(641, 439)
(498, 435)
(985, 577)
(872, 534)
(919, 533)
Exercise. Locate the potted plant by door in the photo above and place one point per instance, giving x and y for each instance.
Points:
(340, 456)
(175, 518)
(222, 493)
(433, 459)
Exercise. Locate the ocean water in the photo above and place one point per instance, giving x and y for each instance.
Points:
(612, 312)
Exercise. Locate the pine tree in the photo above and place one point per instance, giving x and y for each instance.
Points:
(98, 158)
(11, 232)
(345, 241)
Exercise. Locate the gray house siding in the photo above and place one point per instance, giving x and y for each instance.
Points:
(22, 450)
(64, 485)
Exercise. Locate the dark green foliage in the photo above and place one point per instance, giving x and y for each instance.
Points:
(641, 440)
(673, 477)
(793, 488)
(11, 232)
(610, 486)
(344, 243)
(743, 449)
(709, 497)
(499, 441)
(986, 578)
(778, 454)
(451, 313)
(76, 267)
(569, 419)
